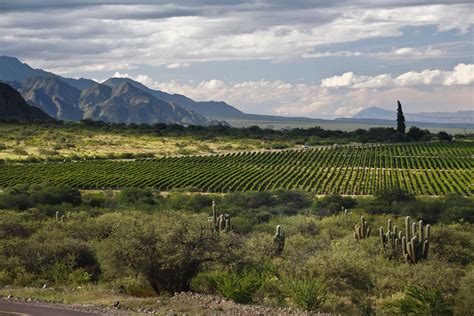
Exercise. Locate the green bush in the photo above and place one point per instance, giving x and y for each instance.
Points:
(422, 300)
(24, 197)
(454, 244)
(393, 194)
(135, 196)
(305, 290)
(332, 204)
(20, 151)
(205, 282)
(5, 279)
(240, 287)
(168, 252)
(199, 203)
(464, 304)
(133, 285)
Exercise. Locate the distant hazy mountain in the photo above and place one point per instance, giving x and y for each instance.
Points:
(128, 104)
(11, 69)
(210, 108)
(13, 106)
(376, 113)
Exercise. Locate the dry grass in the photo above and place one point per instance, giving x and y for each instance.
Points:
(20, 143)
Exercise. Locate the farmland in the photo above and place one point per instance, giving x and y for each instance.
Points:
(418, 168)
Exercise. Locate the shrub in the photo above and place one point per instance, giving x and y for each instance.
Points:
(332, 204)
(97, 200)
(47, 152)
(135, 196)
(24, 197)
(394, 194)
(54, 195)
(422, 300)
(454, 244)
(134, 285)
(20, 151)
(464, 304)
(306, 291)
(48, 255)
(199, 203)
(167, 252)
(240, 287)
(5, 279)
(205, 282)
(443, 136)
(13, 225)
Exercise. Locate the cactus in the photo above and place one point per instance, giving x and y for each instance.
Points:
(219, 223)
(416, 242)
(413, 245)
(391, 241)
(362, 231)
(63, 217)
(279, 240)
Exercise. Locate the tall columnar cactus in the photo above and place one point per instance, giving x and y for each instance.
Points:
(362, 230)
(279, 240)
(219, 223)
(391, 241)
(416, 242)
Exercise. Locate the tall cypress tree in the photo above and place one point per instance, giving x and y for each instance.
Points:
(400, 119)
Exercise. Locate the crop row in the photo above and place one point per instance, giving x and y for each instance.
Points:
(431, 169)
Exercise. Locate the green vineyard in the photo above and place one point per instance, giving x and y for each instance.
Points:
(427, 169)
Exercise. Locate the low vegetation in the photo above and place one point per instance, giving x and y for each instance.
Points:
(142, 243)
(426, 169)
(56, 141)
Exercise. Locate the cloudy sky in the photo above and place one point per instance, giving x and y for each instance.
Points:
(317, 58)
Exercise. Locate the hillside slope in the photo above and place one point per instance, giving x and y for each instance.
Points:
(14, 107)
(210, 108)
(12, 69)
(125, 103)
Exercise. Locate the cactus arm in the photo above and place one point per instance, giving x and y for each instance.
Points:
(407, 227)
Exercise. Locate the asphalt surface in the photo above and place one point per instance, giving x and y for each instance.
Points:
(13, 308)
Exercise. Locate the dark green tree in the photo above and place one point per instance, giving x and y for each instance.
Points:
(400, 119)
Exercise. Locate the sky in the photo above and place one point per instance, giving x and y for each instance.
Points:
(319, 58)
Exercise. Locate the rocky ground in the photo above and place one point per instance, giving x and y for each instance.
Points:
(184, 303)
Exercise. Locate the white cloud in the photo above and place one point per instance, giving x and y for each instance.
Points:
(347, 111)
(104, 36)
(462, 74)
(313, 100)
(395, 54)
(177, 65)
(344, 80)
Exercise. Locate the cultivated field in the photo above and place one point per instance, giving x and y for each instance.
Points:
(422, 169)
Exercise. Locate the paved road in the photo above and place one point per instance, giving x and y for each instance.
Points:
(12, 308)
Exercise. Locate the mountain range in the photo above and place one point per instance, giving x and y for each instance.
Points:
(123, 100)
(14, 107)
(117, 100)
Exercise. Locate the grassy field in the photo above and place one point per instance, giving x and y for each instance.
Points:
(19, 142)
